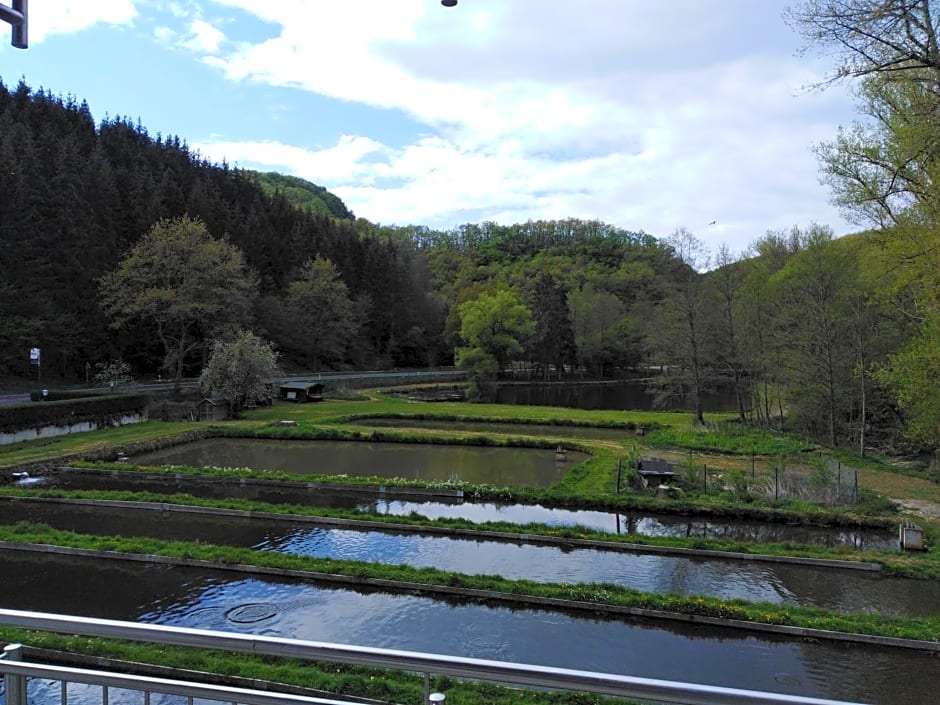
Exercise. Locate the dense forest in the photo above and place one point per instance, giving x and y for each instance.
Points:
(807, 330)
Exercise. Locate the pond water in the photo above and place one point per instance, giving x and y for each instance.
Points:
(756, 581)
(644, 523)
(289, 608)
(366, 500)
(502, 467)
(619, 394)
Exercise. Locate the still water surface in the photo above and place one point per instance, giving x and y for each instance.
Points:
(620, 394)
(502, 467)
(756, 581)
(646, 524)
(673, 651)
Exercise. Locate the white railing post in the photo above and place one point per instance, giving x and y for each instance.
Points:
(14, 686)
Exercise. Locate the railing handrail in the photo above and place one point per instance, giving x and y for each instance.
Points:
(419, 662)
(152, 684)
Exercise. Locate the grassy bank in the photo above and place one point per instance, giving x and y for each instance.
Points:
(597, 595)
(339, 679)
(895, 564)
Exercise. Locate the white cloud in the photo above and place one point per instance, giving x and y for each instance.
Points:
(48, 17)
(203, 38)
(337, 164)
(645, 115)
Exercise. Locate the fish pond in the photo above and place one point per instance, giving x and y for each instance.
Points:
(396, 502)
(231, 601)
(484, 465)
(846, 590)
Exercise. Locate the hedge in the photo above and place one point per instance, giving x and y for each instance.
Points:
(100, 410)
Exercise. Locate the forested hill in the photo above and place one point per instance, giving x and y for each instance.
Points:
(76, 197)
(817, 333)
(302, 193)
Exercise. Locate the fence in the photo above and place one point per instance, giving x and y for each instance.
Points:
(16, 672)
(823, 481)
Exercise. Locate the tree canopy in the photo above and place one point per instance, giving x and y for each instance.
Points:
(241, 370)
(184, 282)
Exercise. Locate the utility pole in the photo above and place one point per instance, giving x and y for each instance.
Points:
(17, 15)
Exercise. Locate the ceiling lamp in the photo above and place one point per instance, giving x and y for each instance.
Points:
(448, 3)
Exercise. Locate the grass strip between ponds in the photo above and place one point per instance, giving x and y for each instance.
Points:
(340, 679)
(598, 595)
(919, 567)
(584, 486)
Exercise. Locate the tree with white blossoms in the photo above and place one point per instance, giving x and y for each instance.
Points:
(242, 371)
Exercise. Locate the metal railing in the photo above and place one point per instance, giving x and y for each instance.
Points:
(541, 677)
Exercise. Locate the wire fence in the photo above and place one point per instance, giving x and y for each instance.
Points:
(822, 481)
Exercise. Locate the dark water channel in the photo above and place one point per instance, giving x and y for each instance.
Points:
(660, 649)
(646, 524)
(619, 394)
(502, 467)
(756, 581)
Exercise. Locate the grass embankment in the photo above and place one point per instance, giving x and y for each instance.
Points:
(894, 564)
(596, 595)
(340, 679)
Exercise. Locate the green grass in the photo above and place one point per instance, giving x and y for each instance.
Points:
(599, 595)
(340, 679)
(907, 567)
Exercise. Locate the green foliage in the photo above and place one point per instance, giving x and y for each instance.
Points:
(914, 375)
(301, 193)
(318, 319)
(492, 326)
(182, 280)
(241, 371)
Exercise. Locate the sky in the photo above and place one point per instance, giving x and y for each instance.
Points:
(647, 115)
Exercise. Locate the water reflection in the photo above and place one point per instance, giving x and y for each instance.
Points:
(756, 581)
(673, 651)
(367, 500)
(644, 524)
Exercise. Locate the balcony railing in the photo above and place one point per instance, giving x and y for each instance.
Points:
(16, 671)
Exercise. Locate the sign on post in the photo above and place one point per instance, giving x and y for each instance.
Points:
(35, 358)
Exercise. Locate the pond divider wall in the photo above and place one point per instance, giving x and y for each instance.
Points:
(445, 591)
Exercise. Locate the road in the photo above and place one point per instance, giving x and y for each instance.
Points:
(325, 377)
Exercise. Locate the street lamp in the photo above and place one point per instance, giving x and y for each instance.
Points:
(17, 16)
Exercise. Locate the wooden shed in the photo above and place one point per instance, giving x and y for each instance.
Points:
(212, 409)
(302, 391)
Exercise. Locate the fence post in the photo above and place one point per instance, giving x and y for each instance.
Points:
(705, 477)
(14, 686)
(776, 483)
(619, 470)
(436, 699)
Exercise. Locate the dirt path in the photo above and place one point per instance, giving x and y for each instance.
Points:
(913, 494)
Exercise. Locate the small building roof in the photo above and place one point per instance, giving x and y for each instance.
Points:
(301, 385)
